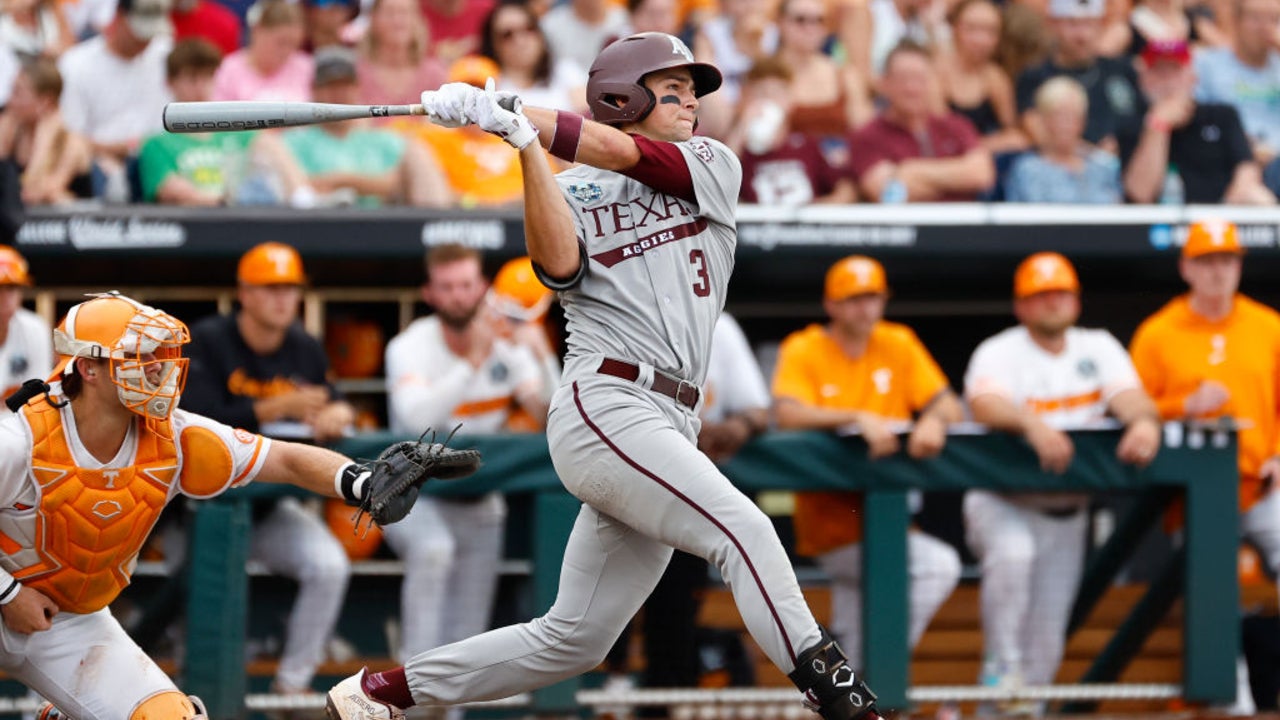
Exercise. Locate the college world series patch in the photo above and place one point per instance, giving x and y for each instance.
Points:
(588, 193)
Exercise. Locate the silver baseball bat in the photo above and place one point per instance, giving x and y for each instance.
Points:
(190, 117)
(233, 115)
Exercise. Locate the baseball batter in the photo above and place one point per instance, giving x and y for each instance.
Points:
(85, 470)
(639, 240)
(1035, 380)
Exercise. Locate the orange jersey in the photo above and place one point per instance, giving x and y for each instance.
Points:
(72, 527)
(1176, 349)
(895, 378)
(482, 169)
(684, 8)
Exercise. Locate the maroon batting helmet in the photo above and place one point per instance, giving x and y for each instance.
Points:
(615, 90)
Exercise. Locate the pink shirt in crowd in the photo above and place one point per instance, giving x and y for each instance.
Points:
(237, 79)
(431, 75)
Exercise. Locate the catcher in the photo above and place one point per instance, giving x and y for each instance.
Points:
(88, 461)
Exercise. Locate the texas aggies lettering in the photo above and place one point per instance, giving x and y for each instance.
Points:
(658, 206)
(642, 285)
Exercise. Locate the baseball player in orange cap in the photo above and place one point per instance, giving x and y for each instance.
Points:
(521, 303)
(1214, 352)
(26, 350)
(258, 369)
(858, 369)
(1035, 380)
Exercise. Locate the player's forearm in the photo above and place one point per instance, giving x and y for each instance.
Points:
(549, 231)
(1133, 405)
(792, 414)
(999, 413)
(414, 407)
(945, 408)
(309, 467)
(598, 145)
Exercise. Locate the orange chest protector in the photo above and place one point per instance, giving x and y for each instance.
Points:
(91, 523)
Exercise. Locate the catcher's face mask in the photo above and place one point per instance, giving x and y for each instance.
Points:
(143, 345)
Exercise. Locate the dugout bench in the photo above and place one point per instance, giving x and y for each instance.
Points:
(1199, 462)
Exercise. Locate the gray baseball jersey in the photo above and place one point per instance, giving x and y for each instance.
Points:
(658, 266)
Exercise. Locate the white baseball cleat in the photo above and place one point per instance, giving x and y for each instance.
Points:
(348, 701)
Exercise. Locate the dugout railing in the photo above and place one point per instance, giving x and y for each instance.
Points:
(1199, 465)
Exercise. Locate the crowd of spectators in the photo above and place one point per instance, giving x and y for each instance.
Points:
(836, 101)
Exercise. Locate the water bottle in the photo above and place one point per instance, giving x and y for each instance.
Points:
(894, 191)
(1173, 192)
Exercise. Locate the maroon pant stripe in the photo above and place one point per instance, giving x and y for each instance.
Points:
(701, 510)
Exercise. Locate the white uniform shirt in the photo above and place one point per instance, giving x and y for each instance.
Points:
(430, 387)
(734, 381)
(571, 39)
(27, 351)
(1069, 389)
(111, 99)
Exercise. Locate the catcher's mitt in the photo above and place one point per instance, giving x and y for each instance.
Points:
(392, 485)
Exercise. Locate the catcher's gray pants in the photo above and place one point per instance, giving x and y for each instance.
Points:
(630, 456)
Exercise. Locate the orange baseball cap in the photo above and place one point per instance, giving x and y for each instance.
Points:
(271, 263)
(1044, 272)
(13, 267)
(855, 275)
(473, 70)
(1207, 237)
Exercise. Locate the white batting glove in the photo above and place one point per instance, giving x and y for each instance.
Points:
(500, 114)
(452, 105)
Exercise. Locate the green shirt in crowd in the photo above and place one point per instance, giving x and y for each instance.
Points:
(363, 151)
(210, 161)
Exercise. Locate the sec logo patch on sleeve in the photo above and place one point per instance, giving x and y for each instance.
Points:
(245, 436)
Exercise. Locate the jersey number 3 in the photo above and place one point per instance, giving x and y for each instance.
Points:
(701, 288)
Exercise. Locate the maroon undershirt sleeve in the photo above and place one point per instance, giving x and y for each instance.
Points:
(663, 168)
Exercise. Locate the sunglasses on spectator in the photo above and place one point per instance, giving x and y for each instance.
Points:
(807, 19)
(506, 34)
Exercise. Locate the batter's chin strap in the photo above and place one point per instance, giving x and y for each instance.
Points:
(28, 390)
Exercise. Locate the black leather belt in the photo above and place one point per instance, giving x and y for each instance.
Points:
(682, 391)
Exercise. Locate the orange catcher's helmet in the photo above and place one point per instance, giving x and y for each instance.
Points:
(13, 267)
(271, 263)
(517, 292)
(143, 345)
(1044, 272)
(1209, 237)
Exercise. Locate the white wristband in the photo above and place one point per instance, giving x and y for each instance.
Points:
(10, 591)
